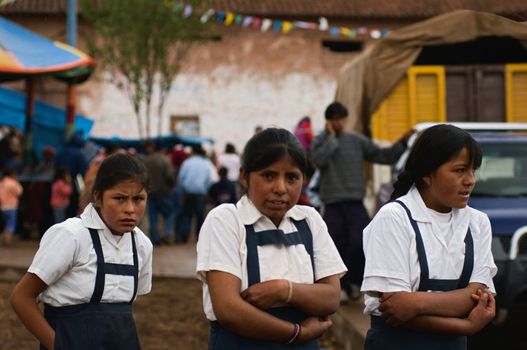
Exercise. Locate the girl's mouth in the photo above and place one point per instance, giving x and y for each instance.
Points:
(277, 203)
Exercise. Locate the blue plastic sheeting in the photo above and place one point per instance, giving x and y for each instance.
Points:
(48, 123)
(166, 141)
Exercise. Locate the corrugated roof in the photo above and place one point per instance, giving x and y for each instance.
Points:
(391, 9)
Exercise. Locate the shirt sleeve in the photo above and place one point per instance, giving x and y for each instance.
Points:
(56, 254)
(145, 270)
(386, 248)
(327, 259)
(484, 267)
(219, 243)
(381, 155)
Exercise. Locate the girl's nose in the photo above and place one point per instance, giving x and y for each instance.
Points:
(470, 178)
(129, 206)
(279, 186)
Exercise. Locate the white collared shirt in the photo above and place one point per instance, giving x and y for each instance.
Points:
(391, 255)
(222, 247)
(66, 261)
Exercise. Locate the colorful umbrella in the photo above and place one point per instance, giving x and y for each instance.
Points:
(25, 54)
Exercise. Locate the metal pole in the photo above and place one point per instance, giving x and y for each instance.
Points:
(71, 23)
(71, 31)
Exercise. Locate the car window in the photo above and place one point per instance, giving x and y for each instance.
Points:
(503, 170)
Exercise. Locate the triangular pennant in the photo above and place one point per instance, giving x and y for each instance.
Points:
(266, 24)
(286, 26)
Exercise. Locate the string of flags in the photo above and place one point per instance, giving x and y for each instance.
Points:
(6, 2)
(265, 24)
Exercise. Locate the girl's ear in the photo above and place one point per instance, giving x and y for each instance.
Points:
(96, 200)
(243, 178)
(427, 180)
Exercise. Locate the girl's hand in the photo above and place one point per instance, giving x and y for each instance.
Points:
(397, 308)
(312, 328)
(483, 312)
(476, 296)
(266, 294)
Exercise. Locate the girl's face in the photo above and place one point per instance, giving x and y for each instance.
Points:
(122, 206)
(450, 185)
(275, 189)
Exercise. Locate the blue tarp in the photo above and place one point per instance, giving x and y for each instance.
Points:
(166, 141)
(48, 123)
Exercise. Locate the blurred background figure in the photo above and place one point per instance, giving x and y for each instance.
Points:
(10, 192)
(223, 191)
(74, 159)
(304, 132)
(162, 180)
(46, 168)
(61, 190)
(194, 178)
(230, 160)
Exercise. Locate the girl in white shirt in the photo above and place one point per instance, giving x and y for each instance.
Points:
(429, 266)
(269, 268)
(89, 269)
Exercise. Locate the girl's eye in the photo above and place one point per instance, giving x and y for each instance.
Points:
(118, 198)
(293, 177)
(267, 176)
(139, 198)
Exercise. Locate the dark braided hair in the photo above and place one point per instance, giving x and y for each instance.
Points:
(434, 147)
(271, 145)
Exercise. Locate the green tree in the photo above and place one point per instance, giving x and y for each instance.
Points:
(145, 43)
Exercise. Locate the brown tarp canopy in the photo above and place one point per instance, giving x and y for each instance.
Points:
(368, 78)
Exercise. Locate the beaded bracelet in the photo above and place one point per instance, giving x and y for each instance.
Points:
(295, 334)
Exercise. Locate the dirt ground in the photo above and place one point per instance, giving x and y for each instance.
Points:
(170, 317)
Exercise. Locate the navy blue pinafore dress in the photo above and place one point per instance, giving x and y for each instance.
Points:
(384, 337)
(96, 325)
(224, 339)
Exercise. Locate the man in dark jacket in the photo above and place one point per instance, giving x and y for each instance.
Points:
(340, 157)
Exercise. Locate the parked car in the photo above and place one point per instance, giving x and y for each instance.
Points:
(501, 193)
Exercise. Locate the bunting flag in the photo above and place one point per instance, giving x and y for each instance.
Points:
(6, 2)
(264, 24)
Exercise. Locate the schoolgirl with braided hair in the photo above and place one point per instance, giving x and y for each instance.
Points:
(429, 266)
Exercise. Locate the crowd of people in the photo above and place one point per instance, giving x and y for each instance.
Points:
(274, 265)
(185, 182)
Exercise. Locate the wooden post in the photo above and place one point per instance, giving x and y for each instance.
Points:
(70, 112)
(28, 139)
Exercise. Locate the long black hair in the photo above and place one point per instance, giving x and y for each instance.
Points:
(434, 147)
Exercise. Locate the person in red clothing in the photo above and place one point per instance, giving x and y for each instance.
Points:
(60, 194)
(10, 192)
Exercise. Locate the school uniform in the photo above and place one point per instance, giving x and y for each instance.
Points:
(410, 247)
(240, 240)
(93, 277)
